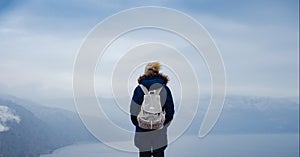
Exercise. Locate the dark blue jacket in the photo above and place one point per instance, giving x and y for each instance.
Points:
(150, 82)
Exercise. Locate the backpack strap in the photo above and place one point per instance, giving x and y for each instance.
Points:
(146, 92)
(158, 90)
(144, 89)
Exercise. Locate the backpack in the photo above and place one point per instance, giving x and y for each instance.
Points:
(151, 115)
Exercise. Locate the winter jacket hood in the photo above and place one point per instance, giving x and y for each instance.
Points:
(152, 78)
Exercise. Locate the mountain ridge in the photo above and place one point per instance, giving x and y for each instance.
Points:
(59, 127)
(41, 130)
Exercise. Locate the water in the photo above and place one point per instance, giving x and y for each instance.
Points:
(251, 145)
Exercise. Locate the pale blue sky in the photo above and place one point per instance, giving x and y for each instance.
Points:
(258, 41)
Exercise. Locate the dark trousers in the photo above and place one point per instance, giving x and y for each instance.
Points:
(155, 154)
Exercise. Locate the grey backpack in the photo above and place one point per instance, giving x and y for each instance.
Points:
(151, 115)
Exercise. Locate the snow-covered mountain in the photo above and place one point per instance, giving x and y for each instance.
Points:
(30, 129)
(7, 115)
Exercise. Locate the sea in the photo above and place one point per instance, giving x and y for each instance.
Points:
(237, 145)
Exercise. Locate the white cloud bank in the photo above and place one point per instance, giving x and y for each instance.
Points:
(258, 42)
(7, 114)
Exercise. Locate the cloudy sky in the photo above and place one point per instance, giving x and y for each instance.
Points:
(258, 41)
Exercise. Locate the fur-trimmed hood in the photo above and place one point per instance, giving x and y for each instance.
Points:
(153, 78)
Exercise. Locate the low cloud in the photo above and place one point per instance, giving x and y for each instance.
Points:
(7, 115)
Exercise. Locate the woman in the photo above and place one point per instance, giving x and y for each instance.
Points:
(152, 142)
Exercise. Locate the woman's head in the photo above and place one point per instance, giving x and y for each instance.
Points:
(152, 70)
(152, 67)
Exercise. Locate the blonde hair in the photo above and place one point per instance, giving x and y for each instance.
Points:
(153, 66)
(156, 66)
